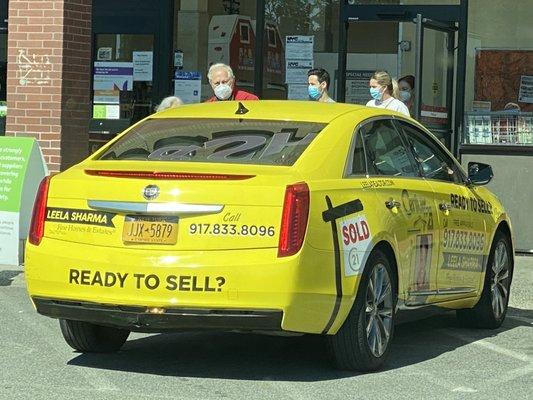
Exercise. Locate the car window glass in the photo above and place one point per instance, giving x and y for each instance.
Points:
(358, 156)
(237, 141)
(434, 162)
(385, 150)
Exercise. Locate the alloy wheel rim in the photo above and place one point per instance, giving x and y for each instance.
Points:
(500, 280)
(378, 310)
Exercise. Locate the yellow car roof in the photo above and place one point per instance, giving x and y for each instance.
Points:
(264, 109)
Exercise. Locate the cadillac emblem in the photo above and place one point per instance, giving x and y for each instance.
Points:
(151, 192)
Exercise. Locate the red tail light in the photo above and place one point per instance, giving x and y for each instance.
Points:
(294, 219)
(39, 213)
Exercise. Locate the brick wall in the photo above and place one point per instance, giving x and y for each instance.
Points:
(48, 78)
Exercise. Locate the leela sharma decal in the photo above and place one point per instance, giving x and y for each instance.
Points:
(464, 250)
(377, 183)
(84, 217)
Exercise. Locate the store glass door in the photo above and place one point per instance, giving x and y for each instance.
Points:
(428, 48)
(436, 60)
(132, 71)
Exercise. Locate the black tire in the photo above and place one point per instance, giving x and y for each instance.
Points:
(351, 347)
(490, 311)
(91, 338)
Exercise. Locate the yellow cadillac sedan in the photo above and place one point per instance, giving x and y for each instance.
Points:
(268, 216)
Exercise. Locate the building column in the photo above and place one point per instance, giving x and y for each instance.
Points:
(192, 32)
(49, 75)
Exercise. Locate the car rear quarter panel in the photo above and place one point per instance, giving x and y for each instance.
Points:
(331, 244)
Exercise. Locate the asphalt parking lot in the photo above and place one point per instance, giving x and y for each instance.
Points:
(431, 358)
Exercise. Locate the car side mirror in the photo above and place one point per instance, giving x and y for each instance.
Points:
(479, 173)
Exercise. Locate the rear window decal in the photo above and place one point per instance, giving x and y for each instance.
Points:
(215, 140)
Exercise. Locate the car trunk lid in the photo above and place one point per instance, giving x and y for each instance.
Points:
(238, 208)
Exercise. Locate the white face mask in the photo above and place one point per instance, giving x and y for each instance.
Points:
(223, 91)
(405, 95)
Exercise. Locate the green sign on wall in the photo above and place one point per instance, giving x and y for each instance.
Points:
(14, 155)
(22, 167)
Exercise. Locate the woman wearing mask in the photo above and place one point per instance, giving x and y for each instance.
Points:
(407, 94)
(385, 93)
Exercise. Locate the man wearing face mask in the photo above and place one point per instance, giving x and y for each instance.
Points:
(222, 81)
(318, 80)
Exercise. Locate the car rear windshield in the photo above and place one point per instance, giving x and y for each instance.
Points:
(215, 140)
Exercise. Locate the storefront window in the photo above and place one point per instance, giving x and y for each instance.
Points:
(308, 34)
(210, 32)
(499, 80)
(123, 76)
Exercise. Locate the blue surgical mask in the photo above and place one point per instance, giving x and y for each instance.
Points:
(376, 93)
(314, 92)
(405, 95)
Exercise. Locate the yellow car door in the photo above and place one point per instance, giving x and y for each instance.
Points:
(405, 202)
(461, 230)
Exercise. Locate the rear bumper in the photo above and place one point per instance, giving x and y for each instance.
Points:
(141, 319)
(299, 288)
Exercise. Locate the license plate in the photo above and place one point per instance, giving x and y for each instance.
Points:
(151, 230)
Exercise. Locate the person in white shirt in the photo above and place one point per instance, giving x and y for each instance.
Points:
(385, 93)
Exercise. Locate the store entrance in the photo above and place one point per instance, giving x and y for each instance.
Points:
(132, 72)
(424, 43)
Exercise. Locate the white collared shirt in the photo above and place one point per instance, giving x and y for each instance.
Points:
(390, 104)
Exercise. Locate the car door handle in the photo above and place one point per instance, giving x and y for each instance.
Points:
(445, 206)
(390, 204)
